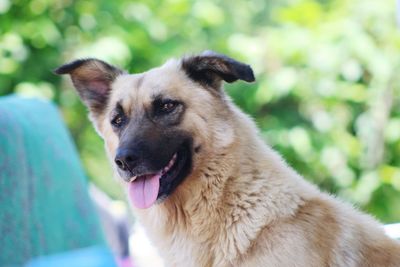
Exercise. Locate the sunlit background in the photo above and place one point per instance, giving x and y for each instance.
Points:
(327, 93)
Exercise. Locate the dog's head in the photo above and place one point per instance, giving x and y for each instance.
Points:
(159, 125)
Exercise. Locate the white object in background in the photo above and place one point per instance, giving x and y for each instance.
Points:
(393, 230)
(398, 12)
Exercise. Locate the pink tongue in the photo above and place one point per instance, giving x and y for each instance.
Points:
(144, 190)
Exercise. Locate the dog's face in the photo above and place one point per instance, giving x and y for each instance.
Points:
(158, 125)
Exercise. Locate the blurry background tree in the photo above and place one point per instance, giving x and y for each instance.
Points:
(327, 92)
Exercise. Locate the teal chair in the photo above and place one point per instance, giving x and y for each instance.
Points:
(46, 215)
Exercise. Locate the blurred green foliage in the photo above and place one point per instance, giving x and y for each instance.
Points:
(327, 93)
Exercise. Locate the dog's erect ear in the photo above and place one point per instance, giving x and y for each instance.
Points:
(209, 68)
(92, 79)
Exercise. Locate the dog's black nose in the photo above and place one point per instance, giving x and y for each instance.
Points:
(126, 159)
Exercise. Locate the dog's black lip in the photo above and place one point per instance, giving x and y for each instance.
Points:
(177, 174)
(131, 178)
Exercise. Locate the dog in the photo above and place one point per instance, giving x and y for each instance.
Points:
(205, 186)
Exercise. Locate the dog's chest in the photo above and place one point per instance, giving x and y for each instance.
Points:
(175, 241)
(187, 253)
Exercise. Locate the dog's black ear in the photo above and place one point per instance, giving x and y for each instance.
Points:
(209, 68)
(92, 79)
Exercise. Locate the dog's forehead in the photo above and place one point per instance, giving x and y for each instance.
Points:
(166, 80)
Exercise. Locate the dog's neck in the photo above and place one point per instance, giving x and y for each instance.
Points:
(238, 187)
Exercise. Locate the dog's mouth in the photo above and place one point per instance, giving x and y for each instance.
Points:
(145, 190)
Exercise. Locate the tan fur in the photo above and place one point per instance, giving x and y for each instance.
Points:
(242, 205)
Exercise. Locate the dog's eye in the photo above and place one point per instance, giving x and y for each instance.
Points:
(167, 106)
(117, 121)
